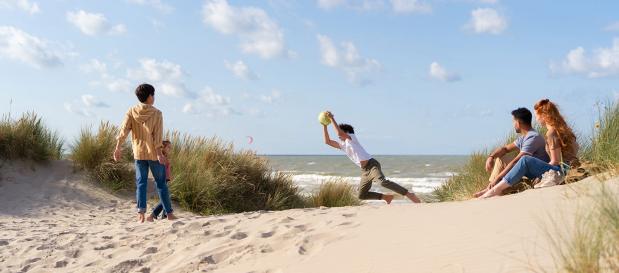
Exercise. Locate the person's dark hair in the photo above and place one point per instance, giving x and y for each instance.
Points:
(347, 128)
(524, 115)
(143, 91)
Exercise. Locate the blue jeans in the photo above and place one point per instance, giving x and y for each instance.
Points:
(158, 209)
(141, 183)
(530, 167)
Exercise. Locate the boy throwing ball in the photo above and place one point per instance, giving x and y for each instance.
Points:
(370, 168)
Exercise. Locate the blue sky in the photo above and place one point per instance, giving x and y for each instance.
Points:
(413, 76)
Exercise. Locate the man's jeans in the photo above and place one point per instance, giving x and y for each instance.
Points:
(141, 183)
(530, 167)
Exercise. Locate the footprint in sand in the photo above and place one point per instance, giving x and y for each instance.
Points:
(108, 246)
(267, 234)
(150, 250)
(4, 242)
(348, 215)
(239, 236)
(225, 233)
(126, 266)
(178, 224)
(73, 253)
(60, 264)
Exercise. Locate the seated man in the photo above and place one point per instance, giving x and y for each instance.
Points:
(529, 142)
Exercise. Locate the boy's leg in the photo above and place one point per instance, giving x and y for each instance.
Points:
(141, 184)
(364, 189)
(158, 171)
(377, 174)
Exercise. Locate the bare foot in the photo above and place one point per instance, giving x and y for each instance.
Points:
(171, 216)
(480, 193)
(150, 218)
(388, 198)
(413, 197)
(141, 217)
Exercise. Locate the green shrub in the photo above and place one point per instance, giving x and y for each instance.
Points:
(93, 152)
(28, 138)
(210, 177)
(335, 193)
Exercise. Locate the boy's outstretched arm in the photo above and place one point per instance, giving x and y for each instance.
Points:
(328, 139)
(336, 126)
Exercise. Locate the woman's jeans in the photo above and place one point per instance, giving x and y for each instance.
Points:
(530, 167)
(141, 182)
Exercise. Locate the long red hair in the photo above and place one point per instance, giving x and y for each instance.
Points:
(551, 115)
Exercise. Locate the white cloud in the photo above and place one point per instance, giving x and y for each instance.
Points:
(110, 82)
(363, 5)
(80, 111)
(258, 33)
(94, 23)
(24, 5)
(347, 59)
(210, 104)
(166, 76)
(603, 62)
(91, 101)
(329, 4)
(157, 4)
(440, 73)
(410, 6)
(398, 6)
(486, 20)
(18, 45)
(272, 98)
(241, 70)
(489, 1)
(612, 27)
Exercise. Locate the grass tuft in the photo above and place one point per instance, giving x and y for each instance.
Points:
(210, 177)
(335, 193)
(29, 138)
(92, 151)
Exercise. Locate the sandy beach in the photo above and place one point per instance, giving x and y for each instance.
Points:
(54, 220)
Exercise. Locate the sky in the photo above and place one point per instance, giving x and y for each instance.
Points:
(412, 76)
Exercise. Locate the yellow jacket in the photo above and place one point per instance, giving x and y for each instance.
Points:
(145, 123)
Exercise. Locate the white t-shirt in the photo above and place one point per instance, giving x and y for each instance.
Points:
(354, 150)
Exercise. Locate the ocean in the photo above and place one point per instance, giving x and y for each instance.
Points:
(421, 173)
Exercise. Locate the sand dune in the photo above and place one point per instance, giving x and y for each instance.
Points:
(53, 220)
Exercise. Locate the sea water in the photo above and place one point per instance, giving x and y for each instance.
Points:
(420, 173)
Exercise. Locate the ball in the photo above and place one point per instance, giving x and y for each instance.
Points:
(323, 118)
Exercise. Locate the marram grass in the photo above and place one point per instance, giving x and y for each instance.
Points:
(29, 138)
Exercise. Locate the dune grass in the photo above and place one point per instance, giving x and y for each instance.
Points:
(335, 193)
(470, 178)
(603, 147)
(29, 138)
(92, 151)
(210, 177)
(591, 243)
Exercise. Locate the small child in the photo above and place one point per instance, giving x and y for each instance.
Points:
(370, 168)
(159, 208)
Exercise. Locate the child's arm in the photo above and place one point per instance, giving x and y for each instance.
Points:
(328, 139)
(337, 127)
(125, 128)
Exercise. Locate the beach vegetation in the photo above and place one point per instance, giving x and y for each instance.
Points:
(27, 137)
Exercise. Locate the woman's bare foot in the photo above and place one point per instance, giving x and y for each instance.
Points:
(388, 198)
(413, 197)
(171, 216)
(141, 217)
(150, 218)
